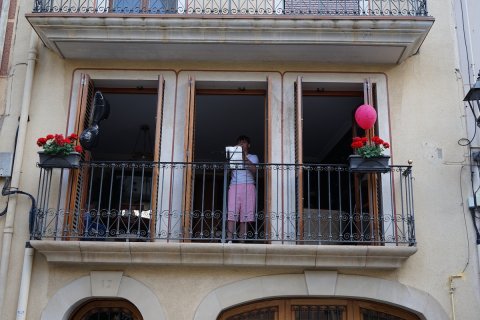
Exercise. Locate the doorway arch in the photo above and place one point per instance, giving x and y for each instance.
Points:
(67, 299)
(320, 284)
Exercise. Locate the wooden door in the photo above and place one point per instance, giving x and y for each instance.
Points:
(299, 155)
(78, 179)
(156, 156)
(368, 183)
(267, 185)
(189, 144)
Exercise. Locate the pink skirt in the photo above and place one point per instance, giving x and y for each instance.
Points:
(241, 202)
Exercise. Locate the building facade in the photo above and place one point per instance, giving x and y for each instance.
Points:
(157, 92)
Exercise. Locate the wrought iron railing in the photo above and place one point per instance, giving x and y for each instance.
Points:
(149, 201)
(232, 7)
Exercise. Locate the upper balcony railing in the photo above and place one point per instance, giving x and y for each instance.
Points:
(242, 7)
(188, 202)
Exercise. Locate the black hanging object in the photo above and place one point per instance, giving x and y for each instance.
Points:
(101, 110)
(89, 137)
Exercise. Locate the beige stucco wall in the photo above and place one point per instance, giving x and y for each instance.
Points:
(426, 120)
(206, 291)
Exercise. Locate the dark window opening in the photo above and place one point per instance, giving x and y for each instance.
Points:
(219, 120)
(118, 192)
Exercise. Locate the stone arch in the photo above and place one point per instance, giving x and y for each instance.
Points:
(103, 284)
(320, 284)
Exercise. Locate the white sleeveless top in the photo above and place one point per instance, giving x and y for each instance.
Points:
(244, 175)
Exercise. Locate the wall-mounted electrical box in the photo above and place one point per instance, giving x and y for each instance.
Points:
(6, 160)
(471, 203)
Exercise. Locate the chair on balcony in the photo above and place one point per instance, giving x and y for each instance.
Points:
(94, 229)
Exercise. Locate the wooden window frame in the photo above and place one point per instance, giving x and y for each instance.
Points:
(81, 312)
(189, 137)
(76, 195)
(285, 312)
(369, 97)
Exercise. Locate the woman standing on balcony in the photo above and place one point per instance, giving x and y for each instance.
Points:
(242, 192)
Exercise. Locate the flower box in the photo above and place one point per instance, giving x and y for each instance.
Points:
(375, 164)
(71, 160)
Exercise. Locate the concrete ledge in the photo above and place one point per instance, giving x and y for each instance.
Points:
(215, 254)
(372, 39)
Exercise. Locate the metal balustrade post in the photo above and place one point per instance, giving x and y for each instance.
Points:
(224, 209)
(333, 213)
(233, 7)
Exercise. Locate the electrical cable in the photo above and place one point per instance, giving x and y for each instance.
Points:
(468, 142)
(465, 222)
(465, 42)
(11, 170)
(8, 191)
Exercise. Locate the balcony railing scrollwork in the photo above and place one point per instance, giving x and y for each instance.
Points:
(294, 204)
(232, 7)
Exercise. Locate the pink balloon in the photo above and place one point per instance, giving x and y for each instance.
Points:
(366, 116)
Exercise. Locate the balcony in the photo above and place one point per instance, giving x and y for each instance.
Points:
(322, 31)
(176, 213)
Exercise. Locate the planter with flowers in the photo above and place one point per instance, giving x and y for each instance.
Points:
(369, 155)
(59, 151)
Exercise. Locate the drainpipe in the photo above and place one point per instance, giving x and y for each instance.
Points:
(3, 24)
(20, 146)
(25, 282)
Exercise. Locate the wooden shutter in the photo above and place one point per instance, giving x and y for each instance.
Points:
(188, 158)
(78, 179)
(371, 178)
(156, 154)
(299, 154)
(268, 156)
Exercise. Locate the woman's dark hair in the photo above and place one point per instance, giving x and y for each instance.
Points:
(243, 138)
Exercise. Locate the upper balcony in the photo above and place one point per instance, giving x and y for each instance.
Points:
(312, 215)
(324, 31)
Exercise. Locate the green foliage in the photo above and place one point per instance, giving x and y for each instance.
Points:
(369, 148)
(370, 151)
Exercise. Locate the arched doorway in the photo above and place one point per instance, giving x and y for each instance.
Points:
(106, 309)
(316, 309)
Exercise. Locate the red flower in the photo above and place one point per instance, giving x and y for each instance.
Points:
(58, 144)
(369, 148)
(357, 144)
(59, 139)
(41, 141)
(377, 140)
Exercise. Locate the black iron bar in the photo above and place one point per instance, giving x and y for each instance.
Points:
(336, 210)
(236, 7)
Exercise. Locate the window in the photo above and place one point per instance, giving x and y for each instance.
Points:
(316, 309)
(324, 128)
(144, 6)
(217, 113)
(107, 198)
(107, 310)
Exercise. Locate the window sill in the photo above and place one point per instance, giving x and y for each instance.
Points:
(213, 254)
